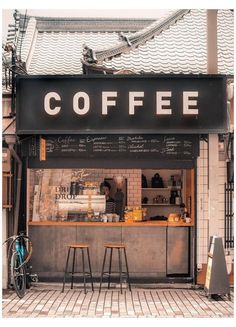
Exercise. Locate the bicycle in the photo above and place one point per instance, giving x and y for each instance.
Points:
(18, 257)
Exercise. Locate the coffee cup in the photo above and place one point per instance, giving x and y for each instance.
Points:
(104, 219)
(117, 218)
(109, 217)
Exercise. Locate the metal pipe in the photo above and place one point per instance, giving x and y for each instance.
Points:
(212, 64)
(18, 187)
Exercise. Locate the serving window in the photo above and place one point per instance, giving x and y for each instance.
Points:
(80, 195)
(73, 194)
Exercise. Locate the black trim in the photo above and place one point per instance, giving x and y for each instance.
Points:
(131, 76)
(133, 280)
(121, 131)
(63, 163)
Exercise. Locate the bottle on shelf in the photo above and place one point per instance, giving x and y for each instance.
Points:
(177, 198)
(182, 210)
(186, 214)
(172, 197)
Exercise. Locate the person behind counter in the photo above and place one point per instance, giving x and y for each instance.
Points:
(105, 188)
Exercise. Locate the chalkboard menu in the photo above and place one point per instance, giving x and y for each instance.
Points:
(117, 146)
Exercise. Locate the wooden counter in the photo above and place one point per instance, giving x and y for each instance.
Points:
(146, 242)
(111, 224)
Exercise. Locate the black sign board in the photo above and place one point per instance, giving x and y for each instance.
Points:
(128, 104)
(116, 146)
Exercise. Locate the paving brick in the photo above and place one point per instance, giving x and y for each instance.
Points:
(42, 301)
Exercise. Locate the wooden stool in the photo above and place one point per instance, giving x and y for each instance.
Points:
(118, 247)
(84, 273)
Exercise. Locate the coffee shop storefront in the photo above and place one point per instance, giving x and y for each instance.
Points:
(78, 132)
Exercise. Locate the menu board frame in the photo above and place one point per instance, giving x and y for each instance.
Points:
(177, 147)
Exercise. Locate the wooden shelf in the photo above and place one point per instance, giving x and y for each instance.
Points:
(160, 204)
(172, 188)
(109, 224)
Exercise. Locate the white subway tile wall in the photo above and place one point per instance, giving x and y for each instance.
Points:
(202, 202)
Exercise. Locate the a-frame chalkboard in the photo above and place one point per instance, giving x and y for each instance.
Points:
(217, 281)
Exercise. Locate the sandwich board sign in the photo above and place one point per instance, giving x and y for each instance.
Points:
(216, 282)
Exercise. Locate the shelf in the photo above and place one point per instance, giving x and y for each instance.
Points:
(162, 188)
(160, 204)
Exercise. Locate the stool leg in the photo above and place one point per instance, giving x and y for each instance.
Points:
(83, 270)
(109, 273)
(91, 277)
(67, 260)
(103, 265)
(126, 263)
(73, 270)
(120, 266)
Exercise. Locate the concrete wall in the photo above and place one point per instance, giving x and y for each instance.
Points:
(146, 248)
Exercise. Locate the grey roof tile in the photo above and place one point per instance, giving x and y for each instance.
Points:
(61, 52)
(132, 41)
(225, 30)
(181, 48)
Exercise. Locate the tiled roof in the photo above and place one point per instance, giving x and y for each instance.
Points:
(225, 30)
(61, 52)
(182, 48)
(55, 46)
(134, 40)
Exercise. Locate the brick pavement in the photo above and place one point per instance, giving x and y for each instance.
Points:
(46, 300)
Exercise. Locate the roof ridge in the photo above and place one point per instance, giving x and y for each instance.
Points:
(87, 18)
(87, 23)
(133, 41)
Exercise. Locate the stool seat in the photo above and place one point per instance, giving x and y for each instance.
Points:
(78, 246)
(115, 245)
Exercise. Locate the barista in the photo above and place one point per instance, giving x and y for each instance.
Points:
(105, 188)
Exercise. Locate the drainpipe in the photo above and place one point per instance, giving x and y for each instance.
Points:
(11, 141)
(212, 64)
(213, 151)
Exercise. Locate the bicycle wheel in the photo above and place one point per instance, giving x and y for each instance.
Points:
(18, 274)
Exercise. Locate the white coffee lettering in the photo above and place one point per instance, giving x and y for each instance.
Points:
(47, 103)
(187, 102)
(133, 102)
(106, 102)
(86, 106)
(160, 103)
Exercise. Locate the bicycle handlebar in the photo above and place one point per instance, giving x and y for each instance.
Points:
(14, 239)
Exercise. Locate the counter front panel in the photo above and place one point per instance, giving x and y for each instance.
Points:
(146, 247)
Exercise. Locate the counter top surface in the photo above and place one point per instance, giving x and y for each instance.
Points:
(111, 224)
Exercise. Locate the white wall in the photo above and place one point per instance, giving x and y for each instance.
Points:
(210, 198)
